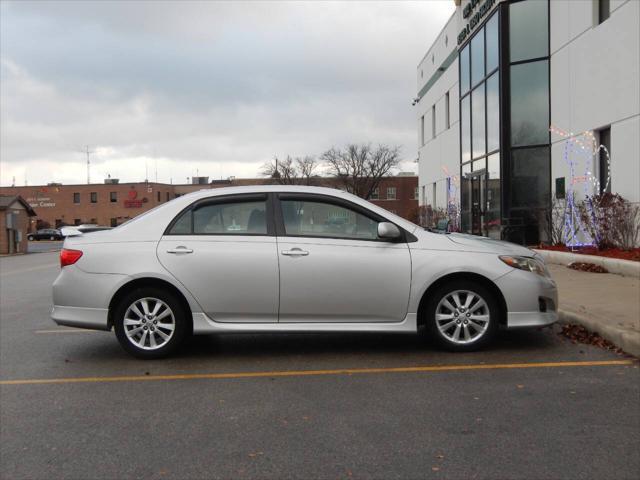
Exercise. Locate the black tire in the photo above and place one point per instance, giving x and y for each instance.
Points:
(30, 238)
(444, 340)
(181, 323)
(52, 238)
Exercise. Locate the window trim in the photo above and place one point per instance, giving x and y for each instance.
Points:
(395, 194)
(222, 199)
(340, 202)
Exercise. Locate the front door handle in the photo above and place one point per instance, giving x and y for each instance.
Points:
(179, 250)
(295, 252)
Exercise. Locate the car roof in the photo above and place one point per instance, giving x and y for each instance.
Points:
(210, 192)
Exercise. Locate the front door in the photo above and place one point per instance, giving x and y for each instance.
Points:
(333, 266)
(478, 187)
(223, 250)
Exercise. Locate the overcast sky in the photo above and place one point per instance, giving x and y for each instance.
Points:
(213, 87)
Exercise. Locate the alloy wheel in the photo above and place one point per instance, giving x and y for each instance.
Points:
(462, 316)
(149, 323)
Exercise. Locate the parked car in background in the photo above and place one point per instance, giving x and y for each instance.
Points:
(293, 259)
(45, 234)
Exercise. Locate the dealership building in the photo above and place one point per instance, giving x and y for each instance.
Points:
(524, 101)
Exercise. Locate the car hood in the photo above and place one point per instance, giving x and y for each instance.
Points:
(488, 245)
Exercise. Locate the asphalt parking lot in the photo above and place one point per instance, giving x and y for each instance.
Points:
(73, 405)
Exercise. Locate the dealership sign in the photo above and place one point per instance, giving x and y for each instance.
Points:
(40, 202)
(474, 18)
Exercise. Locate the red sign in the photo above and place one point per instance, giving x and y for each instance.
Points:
(133, 201)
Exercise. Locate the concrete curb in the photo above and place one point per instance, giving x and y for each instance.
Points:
(626, 268)
(627, 340)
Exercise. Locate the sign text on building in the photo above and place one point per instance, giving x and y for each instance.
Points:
(475, 18)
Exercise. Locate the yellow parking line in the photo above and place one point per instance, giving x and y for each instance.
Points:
(304, 373)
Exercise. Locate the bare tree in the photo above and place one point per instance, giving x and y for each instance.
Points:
(359, 168)
(298, 171)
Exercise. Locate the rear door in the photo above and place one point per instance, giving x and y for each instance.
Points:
(333, 266)
(223, 250)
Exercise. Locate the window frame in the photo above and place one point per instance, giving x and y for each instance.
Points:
(395, 193)
(76, 195)
(225, 199)
(339, 202)
(93, 195)
(113, 197)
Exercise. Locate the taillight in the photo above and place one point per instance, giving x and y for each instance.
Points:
(69, 257)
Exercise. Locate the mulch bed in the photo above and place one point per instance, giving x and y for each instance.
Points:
(587, 267)
(579, 334)
(633, 254)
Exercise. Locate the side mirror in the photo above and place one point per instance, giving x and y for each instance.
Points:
(388, 231)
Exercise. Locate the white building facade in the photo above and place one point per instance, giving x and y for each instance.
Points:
(514, 99)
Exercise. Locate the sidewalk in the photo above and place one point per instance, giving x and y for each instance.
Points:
(601, 302)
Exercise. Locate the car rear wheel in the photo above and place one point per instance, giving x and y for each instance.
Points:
(462, 316)
(52, 237)
(150, 323)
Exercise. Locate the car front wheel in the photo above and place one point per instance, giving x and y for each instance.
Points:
(462, 316)
(150, 323)
(30, 238)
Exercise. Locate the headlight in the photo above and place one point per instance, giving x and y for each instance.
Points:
(526, 263)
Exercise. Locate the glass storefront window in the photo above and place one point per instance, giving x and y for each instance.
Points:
(465, 128)
(530, 103)
(493, 113)
(530, 178)
(477, 122)
(528, 27)
(464, 70)
(477, 58)
(493, 46)
(479, 165)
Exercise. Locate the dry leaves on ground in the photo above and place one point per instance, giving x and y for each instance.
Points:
(587, 267)
(579, 334)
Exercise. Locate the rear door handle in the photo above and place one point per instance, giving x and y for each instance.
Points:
(179, 250)
(295, 252)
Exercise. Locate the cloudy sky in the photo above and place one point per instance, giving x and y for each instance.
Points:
(210, 87)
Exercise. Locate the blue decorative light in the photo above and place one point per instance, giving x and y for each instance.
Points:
(581, 147)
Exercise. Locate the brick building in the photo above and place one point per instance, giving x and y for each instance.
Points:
(15, 222)
(114, 203)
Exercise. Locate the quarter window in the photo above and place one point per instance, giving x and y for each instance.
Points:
(319, 219)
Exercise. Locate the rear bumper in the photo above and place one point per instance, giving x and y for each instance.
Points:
(80, 317)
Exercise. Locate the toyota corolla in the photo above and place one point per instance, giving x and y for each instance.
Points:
(293, 259)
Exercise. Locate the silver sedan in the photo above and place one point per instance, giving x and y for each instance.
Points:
(293, 259)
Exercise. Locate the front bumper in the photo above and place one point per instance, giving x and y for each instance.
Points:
(532, 300)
